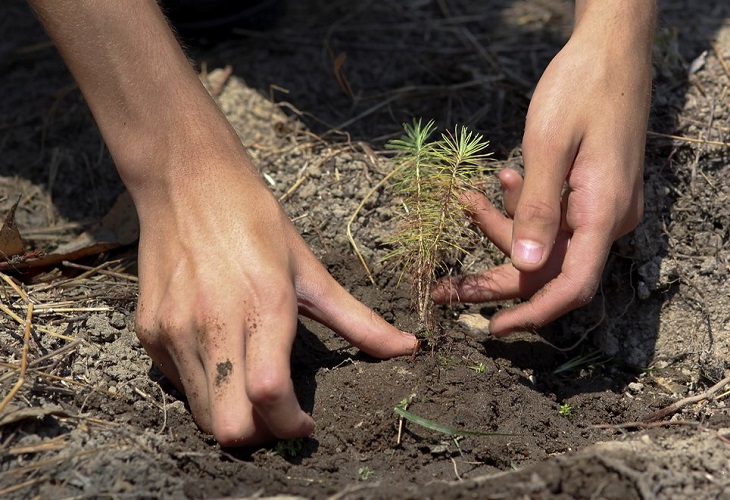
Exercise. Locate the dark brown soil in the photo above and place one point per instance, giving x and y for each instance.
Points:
(94, 418)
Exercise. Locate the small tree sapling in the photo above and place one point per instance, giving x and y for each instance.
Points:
(430, 179)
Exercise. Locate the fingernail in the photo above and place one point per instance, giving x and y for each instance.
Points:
(408, 335)
(527, 251)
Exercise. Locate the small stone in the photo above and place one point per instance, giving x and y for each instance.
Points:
(100, 330)
(118, 321)
(476, 324)
(439, 449)
(636, 387)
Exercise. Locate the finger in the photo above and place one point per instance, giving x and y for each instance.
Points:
(511, 182)
(495, 226)
(233, 419)
(270, 331)
(323, 299)
(174, 361)
(499, 283)
(573, 287)
(537, 214)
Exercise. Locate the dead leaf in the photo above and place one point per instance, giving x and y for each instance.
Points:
(10, 241)
(14, 414)
(119, 227)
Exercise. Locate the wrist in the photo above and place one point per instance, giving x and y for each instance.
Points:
(617, 24)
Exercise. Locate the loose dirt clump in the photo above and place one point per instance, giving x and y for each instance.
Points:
(576, 403)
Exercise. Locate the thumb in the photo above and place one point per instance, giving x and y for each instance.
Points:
(538, 211)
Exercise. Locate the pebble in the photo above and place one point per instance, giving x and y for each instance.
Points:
(636, 387)
(476, 324)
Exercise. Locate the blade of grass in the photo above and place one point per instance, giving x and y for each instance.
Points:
(451, 431)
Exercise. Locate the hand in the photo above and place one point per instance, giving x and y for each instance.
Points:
(222, 270)
(583, 153)
(223, 273)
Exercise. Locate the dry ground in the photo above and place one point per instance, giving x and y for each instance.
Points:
(93, 418)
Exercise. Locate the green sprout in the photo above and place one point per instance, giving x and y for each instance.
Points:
(446, 362)
(565, 410)
(430, 178)
(480, 368)
(289, 448)
(364, 473)
(589, 360)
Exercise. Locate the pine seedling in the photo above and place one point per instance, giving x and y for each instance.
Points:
(430, 178)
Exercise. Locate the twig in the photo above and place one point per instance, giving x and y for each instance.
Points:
(15, 287)
(400, 430)
(52, 461)
(723, 63)
(678, 405)
(88, 272)
(456, 469)
(49, 309)
(40, 360)
(20, 486)
(41, 329)
(293, 188)
(23, 359)
(688, 139)
(354, 216)
(645, 425)
(99, 270)
(57, 443)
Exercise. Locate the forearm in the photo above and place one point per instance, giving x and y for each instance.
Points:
(148, 102)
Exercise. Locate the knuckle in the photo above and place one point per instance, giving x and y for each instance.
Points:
(231, 430)
(267, 389)
(537, 212)
(145, 328)
(585, 291)
(541, 136)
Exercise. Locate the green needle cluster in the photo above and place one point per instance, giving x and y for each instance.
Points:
(430, 178)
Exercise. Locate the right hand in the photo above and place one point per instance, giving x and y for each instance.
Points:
(223, 273)
(582, 190)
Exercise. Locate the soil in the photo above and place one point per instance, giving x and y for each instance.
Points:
(94, 418)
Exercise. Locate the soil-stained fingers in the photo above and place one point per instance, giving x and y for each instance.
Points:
(270, 331)
(233, 419)
(503, 282)
(179, 362)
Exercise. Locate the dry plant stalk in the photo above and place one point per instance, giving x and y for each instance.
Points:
(431, 177)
